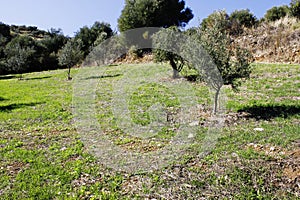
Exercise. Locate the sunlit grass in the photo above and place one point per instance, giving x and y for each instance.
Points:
(43, 157)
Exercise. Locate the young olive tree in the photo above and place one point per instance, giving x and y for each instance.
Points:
(164, 40)
(71, 55)
(233, 62)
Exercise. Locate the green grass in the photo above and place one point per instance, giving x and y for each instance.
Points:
(43, 157)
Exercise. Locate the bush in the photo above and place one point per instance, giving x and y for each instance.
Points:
(295, 8)
(217, 18)
(18, 57)
(20, 54)
(276, 13)
(244, 18)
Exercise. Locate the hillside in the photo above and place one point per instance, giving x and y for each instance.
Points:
(271, 42)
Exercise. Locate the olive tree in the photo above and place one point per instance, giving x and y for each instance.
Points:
(232, 61)
(18, 58)
(19, 53)
(71, 55)
(164, 40)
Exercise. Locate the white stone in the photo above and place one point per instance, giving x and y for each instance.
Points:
(259, 129)
(194, 123)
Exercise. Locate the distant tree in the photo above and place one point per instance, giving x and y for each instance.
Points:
(164, 39)
(219, 16)
(89, 36)
(71, 55)
(240, 19)
(48, 47)
(45, 45)
(55, 40)
(276, 13)
(5, 37)
(18, 58)
(154, 13)
(243, 17)
(20, 54)
(5, 30)
(295, 8)
(232, 62)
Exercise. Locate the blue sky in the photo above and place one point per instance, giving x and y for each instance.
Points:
(70, 15)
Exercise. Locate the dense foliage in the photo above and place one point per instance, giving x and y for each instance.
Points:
(93, 36)
(295, 8)
(233, 62)
(243, 17)
(27, 49)
(156, 13)
(71, 54)
(161, 55)
(276, 13)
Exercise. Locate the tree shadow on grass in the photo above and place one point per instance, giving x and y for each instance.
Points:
(6, 77)
(2, 99)
(267, 112)
(37, 78)
(10, 107)
(103, 76)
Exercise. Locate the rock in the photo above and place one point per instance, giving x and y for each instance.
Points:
(194, 123)
(259, 129)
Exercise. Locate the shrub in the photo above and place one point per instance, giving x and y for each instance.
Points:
(295, 8)
(243, 17)
(276, 13)
(217, 18)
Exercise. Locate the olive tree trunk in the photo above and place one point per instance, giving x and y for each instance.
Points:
(216, 100)
(175, 69)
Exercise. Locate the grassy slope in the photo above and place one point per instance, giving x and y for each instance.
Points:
(43, 157)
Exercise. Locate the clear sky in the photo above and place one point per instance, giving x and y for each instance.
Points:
(70, 15)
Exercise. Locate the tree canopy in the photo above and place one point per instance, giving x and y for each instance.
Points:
(71, 55)
(88, 36)
(276, 13)
(243, 17)
(295, 8)
(232, 61)
(154, 13)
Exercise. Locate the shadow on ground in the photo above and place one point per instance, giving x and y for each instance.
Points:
(267, 112)
(103, 76)
(5, 77)
(10, 107)
(37, 78)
